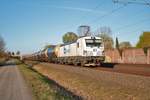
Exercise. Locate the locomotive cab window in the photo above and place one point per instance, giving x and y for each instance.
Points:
(93, 43)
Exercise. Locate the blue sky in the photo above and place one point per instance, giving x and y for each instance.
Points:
(28, 25)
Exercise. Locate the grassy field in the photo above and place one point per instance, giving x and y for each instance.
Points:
(97, 85)
(44, 88)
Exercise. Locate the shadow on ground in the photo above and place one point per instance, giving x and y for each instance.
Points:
(108, 65)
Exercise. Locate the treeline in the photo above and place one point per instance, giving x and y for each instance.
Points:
(104, 32)
(3, 53)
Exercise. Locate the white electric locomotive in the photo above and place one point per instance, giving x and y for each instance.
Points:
(85, 51)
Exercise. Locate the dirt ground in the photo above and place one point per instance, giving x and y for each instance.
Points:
(12, 84)
(96, 84)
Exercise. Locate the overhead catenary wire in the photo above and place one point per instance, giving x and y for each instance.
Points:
(125, 2)
(105, 15)
(129, 25)
(137, 13)
(138, 29)
(108, 14)
(83, 17)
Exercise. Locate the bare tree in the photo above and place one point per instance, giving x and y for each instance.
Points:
(108, 41)
(18, 53)
(2, 45)
(104, 30)
(105, 34)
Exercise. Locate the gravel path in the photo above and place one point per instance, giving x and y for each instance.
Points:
(12, 85)
(96, 84)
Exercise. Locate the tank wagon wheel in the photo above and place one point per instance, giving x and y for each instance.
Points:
(75, 64)
(61, 62)
(97, 63)
(83, 64)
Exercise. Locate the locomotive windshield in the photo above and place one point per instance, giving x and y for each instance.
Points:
(93, 42)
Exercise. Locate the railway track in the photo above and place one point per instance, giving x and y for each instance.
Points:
(142, 69)
(135, 69)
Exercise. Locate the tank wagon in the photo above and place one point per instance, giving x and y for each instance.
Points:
(86, 51)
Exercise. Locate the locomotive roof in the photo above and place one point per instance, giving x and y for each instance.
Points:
(67, 43)
(76, 40)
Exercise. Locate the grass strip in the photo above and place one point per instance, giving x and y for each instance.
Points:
(44, 88)
(2, 61)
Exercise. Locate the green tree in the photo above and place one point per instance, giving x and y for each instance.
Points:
(125, 44)
(70, 37)
(117, 43)
(118, 47)
(144, 40)
(108, 41)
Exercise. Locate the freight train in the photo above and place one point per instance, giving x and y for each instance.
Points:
(86, 51)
